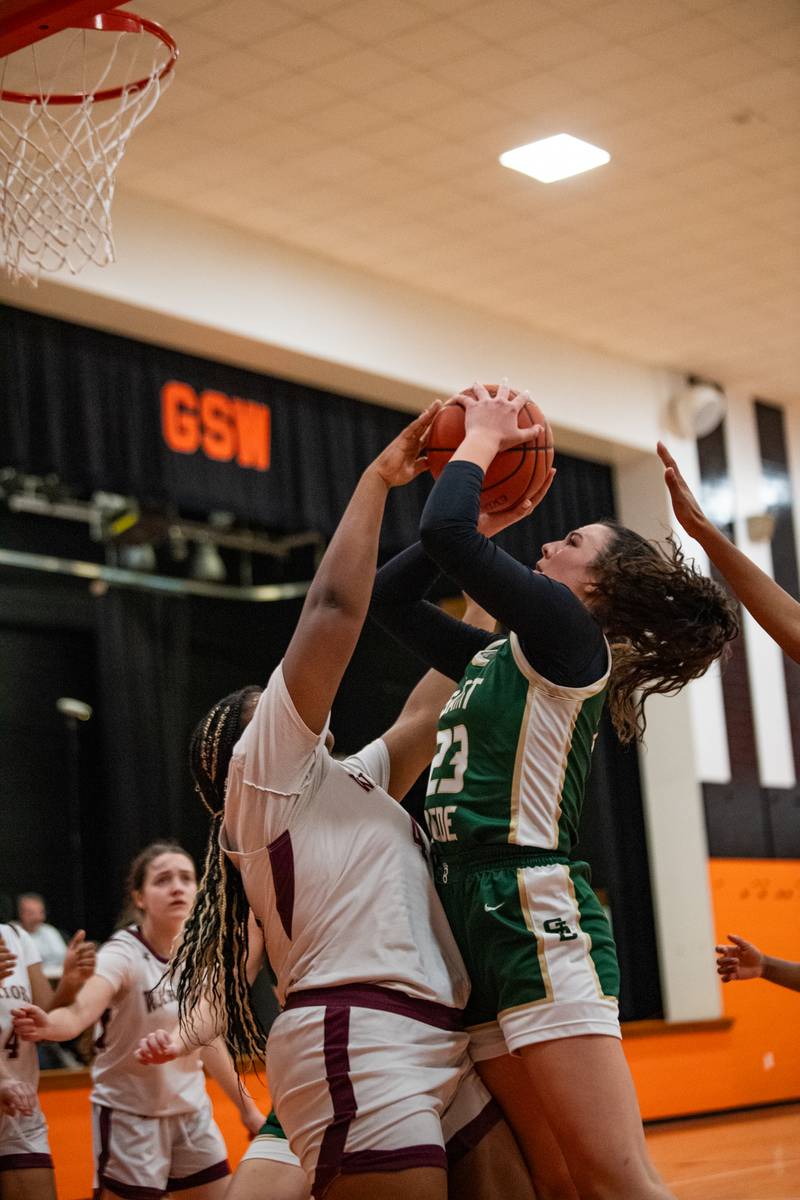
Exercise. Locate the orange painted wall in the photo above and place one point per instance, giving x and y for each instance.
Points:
(756, 1060)
(675, 1073)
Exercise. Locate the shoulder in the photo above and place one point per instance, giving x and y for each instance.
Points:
(373, 761)
(561, 690)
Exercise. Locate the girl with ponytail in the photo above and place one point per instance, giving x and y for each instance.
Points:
(367, 1063)
(604, 617)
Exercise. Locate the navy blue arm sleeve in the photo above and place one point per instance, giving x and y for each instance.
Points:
(559, 636)
(399, 607)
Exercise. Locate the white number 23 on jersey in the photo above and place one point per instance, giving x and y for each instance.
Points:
(452, 751)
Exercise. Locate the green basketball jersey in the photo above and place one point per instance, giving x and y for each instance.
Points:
(512, 755)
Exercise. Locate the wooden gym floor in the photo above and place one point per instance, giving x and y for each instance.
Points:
(751, 1155)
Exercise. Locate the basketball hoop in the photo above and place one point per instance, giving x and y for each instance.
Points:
(58, 153)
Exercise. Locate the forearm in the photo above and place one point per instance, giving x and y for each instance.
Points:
(782, 972)
(776, 611)
(399, 607)
(64, 1024)
(343, 578)
(219, 1066)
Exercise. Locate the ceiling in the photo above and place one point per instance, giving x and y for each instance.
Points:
(369, 131)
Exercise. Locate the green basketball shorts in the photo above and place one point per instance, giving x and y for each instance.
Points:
(537, 945)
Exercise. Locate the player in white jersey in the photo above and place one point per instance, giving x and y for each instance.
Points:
(369, 1051)
(270, 1167)
(25, 1162)
(153, 1131)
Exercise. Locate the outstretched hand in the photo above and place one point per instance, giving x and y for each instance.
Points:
(401, 461)
(30, 1023)
(741, 960)
(684, 503)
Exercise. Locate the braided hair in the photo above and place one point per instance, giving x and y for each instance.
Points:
(210, 963)
(666, 622)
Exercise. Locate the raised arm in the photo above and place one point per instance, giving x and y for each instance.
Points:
(336, 605)
(776, 611)
(411, 740)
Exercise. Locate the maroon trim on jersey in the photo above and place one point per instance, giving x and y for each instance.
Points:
(333, 1159)
(137, 933)
(25, 1162)
(367, 995)
(219, 1170)
(281, 860)
(128, 1191)
(468, 1137)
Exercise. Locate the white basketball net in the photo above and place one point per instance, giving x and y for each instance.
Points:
(58, 162)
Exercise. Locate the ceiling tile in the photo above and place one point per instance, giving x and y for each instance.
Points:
(302, 46)
(623, 19)
(374, 20)
(360, 70)
(413, 92)
(428, 44)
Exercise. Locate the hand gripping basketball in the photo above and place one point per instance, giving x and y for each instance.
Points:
(518, 470)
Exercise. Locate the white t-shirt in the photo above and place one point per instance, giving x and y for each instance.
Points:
(118, 1080)
(20, 1057)
(336, 871)
(52, 949)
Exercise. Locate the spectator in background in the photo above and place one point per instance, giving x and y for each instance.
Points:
(31, 916)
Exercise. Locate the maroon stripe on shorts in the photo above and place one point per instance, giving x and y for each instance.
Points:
(404, 1158)
(128, 1191)
(281, 859)
(467, 1138)
(365, 995)
(343, 1098)
(105, 1142)
(25, 1162)
(218, 1170)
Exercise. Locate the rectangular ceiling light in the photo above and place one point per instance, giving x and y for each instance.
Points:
(555, 157)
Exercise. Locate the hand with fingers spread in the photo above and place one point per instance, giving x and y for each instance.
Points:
(495, 419)
(401, 461)
(17, 1099)
(159, 1047)
(740, 960)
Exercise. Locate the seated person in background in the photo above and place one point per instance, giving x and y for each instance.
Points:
(743, 960)
(31, 916)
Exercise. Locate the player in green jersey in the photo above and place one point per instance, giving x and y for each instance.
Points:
(606, 617)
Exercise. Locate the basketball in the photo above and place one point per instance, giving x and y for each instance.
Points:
(513, 472)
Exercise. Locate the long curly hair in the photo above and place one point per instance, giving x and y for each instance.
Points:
(210, 965)
(665, 621)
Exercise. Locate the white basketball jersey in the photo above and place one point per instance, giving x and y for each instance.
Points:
(335, 870)
(20, 1057)
(143, 1001)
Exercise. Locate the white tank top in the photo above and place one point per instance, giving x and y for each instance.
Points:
(143, 1001)
(335, 870)
(20, 1057)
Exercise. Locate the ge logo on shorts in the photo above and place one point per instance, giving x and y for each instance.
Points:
(559, 925)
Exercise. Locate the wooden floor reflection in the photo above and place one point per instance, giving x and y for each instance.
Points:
(744, 1156)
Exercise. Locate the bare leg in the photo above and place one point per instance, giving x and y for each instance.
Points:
(585, 1087)
(38, 1183)
(206, 1191)
(421, 1183)
(493, 1168)
(507, 1080)
(266, 1179)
